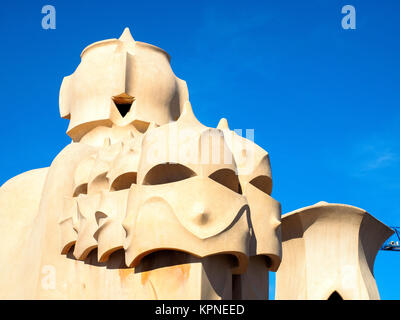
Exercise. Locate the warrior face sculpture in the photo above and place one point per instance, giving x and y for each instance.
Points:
(159, 171)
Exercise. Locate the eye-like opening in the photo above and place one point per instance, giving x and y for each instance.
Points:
(124, 181)
(227, 178)
(123, 108)
(263, 183)
(81, 189)
(167, 173)
(123, 102)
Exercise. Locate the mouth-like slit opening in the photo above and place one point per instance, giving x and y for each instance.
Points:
(81, 189)
(167, 173)
(263, 183)
(124, 181)
(227, 178)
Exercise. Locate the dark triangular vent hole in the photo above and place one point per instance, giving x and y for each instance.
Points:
(123, 102)
(123, 108)
(335, 296)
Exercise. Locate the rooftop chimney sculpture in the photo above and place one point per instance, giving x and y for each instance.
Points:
(149, 203)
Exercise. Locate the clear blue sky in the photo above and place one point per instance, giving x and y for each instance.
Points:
(323, 101)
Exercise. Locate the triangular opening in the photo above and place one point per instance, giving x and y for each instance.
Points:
(335, 297)
(123, 108)
(123, 102)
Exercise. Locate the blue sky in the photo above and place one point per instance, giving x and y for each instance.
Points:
(323, 101)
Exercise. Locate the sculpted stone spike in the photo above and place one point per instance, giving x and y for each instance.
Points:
(149, 203)
(187, 116)
(126, 36)
(223, 124)
(87, 226)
